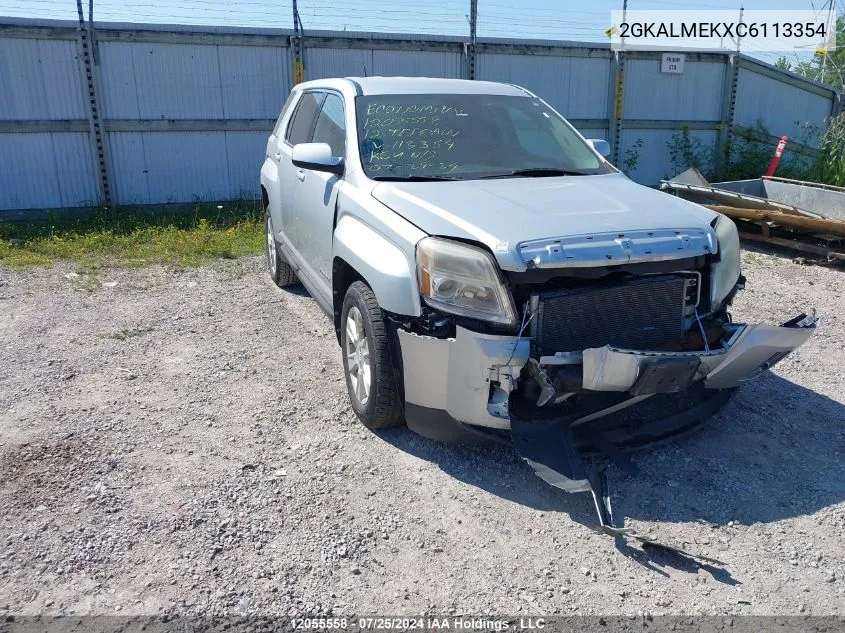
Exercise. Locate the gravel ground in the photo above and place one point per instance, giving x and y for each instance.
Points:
(181, 442)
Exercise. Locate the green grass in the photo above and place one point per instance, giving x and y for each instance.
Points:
(131, 237)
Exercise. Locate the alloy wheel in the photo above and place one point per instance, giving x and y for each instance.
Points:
(357, 352)
(271, 248)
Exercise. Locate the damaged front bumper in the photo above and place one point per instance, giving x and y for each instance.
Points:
(467, 387)
(457, 386)
(749, 351)
(465, 380)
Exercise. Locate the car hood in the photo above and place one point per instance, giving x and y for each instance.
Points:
(556, 221)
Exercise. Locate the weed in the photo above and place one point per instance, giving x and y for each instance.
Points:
(632, 157)
(686, 150)
(749, 152)
(130, 237)
(829, 166)
(754, 258)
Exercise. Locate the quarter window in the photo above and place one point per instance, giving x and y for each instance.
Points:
(302, 123)
(331, 125)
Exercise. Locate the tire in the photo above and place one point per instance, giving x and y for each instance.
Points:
(280, 271)
(364, 344)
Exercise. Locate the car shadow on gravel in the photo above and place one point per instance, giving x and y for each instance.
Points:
(773, 453)
(496, 469)
(297, 289)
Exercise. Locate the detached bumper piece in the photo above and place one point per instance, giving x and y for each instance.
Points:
(749, 351)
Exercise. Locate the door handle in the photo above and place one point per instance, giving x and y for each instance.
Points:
(278, 156)
(301, 175)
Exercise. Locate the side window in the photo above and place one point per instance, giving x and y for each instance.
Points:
(302, 122)
(331, 125)
(285, 107)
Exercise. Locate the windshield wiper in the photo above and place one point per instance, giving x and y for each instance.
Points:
(416, 178)
(537, 172)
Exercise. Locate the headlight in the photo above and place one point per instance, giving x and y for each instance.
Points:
(725, 272)
(463, 280)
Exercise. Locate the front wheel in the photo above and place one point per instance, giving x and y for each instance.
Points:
(367, 364)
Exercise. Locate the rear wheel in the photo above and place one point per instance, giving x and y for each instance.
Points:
(280, 271)
(367, 364)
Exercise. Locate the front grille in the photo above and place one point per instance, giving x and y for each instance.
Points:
(640, 314)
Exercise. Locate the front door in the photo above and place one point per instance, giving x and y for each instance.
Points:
(299, 131)
(316, 194)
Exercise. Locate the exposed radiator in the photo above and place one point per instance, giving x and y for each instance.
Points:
(641, 314)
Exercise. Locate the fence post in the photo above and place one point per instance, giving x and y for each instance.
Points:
(837, 105)
(731, 85)
(473, 22)
(617, 105)
(611, 113)
(97, 133)
(726, 124)
(296, 48)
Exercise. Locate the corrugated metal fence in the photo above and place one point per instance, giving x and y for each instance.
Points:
(187, 110)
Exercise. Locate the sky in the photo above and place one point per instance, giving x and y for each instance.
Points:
(585, 20)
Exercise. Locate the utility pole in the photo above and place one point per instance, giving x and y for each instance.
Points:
(296, 46)
(624, 18)
(828, 25)
(473, 23)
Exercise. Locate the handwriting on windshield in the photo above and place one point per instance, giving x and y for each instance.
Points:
(413, 108)
(411, 137)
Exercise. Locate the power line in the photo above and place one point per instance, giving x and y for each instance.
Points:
(697, 4)
(539, 11)
(253, 12)
(442, 16)
(506, 19)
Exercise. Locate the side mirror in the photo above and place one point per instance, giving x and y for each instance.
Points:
(316, 156)
(600, 145)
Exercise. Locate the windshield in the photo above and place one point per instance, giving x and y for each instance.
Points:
(462, 137)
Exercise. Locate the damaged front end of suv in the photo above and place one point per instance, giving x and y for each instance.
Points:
(492, 276)
(603, 343)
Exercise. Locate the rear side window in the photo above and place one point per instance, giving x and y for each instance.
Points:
(331, 125)
(302, 123)
(282, 113)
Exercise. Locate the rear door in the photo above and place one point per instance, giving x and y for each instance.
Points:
(316, 192)
(299, 130)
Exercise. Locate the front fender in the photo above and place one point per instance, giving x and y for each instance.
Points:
(382, 264)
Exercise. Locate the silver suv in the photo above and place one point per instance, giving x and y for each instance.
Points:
(491, 275)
